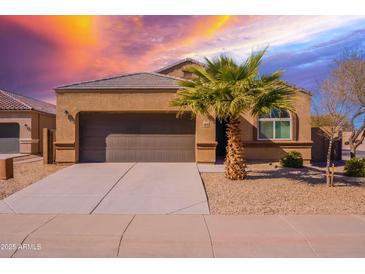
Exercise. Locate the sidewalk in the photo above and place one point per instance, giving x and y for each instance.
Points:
(181, 236)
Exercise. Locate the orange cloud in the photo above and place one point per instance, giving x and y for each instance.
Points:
(75, 39)
(95, 46)
(45, 51)
(205, 28)
(88, 42)
(70, 30)
(214, 25)
(199, 29)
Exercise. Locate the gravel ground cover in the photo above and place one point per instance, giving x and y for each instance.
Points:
(25, 174)
(269, 189)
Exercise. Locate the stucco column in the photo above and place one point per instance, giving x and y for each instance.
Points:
(66, 123)
(205, 139)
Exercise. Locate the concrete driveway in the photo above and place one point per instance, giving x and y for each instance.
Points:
(114, 188)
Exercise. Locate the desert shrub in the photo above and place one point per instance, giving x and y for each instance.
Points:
(292, 159)
(355, 167)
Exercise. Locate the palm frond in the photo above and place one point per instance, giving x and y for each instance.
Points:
(201, 73)
(272, 77)
(228, 89)
(276, 96)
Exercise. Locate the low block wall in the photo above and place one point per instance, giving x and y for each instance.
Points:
(6, 169)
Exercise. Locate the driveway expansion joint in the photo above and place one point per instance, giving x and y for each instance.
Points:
(9, 206)
(113, 186)
(189, 206)
(31, 232)
(300, 233)
(210, 236)
(204, 187)
(123, 233)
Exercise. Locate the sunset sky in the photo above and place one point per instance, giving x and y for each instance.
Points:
(39, 53)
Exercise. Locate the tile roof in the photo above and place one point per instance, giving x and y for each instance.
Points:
(12, 101)
(185, 60)
(296, 88)
(142, 80)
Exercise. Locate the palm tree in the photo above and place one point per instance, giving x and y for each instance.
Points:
(225, 89)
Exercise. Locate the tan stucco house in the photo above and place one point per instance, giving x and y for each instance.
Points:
(21, 122)
(130, 118)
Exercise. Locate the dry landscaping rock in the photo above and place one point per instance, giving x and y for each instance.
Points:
(26, 174)
(271, 190)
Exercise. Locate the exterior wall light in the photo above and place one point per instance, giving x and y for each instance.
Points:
(26, 126)
(69, 116)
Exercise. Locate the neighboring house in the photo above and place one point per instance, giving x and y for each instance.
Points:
(320, 145)
(21, 122)
(130, 118)
(360, 151)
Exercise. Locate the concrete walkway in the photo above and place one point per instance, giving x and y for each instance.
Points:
(102, 235)
(114, 188)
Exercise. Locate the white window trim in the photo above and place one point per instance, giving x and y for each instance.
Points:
(273, 121)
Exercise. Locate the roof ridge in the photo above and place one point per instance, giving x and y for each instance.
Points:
(166, 76)
(97, 80)
(10, 94)
(27, 97)
(296, 87)
(176, 63)
(120, 76)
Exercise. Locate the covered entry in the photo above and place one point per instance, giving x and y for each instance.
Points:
(136, 137)
(9, 138)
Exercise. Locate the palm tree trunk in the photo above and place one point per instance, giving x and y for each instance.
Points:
(235, 164)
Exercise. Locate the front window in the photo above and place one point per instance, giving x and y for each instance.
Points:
(275, 125)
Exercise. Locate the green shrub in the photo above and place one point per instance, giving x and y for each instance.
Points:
(292, 159)
(355, 167)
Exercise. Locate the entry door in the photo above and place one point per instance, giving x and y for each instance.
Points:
(136, 137)
(9, 138)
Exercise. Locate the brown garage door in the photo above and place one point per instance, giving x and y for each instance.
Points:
(9, 138)
(142, 137)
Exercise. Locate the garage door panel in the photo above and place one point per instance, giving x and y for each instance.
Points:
(125, 123)
(9, 145)
(9, 138)
(153, 142)
(94, 142)
(160, 155)
(126, 137)
(93, 155)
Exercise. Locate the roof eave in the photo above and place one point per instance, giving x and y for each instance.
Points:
(93, 89)
(74, 85)
(302, 90)
(31, 109)
(13, 109)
